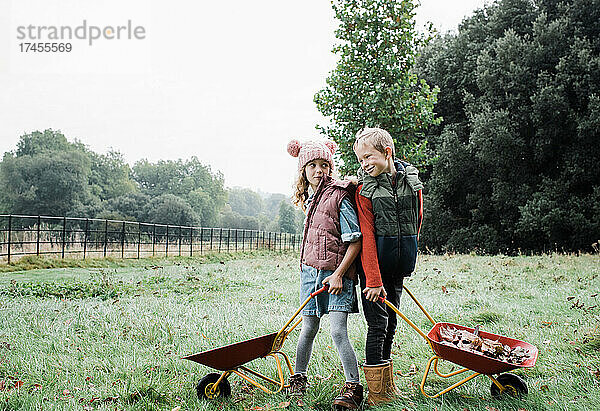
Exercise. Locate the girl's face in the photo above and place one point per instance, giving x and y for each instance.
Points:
(315, 170)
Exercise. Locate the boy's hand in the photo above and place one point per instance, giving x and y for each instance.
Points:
(352, 179)
(335, 283)
(372, 293)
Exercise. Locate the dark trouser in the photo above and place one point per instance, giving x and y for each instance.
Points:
(381, 320)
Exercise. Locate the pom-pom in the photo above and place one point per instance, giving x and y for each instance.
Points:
(332, 145)
(294, 147)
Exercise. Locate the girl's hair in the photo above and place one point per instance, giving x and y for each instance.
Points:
(301, 188)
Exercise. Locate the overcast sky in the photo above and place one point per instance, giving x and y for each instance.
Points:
(230, 82)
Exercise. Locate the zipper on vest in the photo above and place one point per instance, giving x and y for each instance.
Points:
(395, 193)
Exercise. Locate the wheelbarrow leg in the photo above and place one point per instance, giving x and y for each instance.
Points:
(450, 388)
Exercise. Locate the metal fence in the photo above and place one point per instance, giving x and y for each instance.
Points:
(22, 235)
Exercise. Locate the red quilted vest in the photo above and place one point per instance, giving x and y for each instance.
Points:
(322, 246)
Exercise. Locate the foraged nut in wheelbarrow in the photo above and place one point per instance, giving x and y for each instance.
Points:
(468, 341)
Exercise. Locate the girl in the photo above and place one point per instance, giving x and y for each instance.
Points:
(331, 242)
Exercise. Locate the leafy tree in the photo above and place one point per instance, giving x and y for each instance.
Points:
(47, 174)
(231, 219)
(54, 183)
(287, 221)
(130, 206)
(42, 142)
(189, 180)
(518, 150)
(245, 201)
(373, 83)
(272, 202)
(110, 175)
(170, 209)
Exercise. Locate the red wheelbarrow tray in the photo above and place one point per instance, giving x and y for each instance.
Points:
(232, 356)
(476, 361)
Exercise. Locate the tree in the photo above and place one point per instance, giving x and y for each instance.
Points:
(189, 180)
(245, 201)
(272, 202)
(47, 174)
(170, 209)
(42, 142)
(373, 83)
(110, 175)
(287, 221)
(49, 183)
(518, 149)
(130, 206)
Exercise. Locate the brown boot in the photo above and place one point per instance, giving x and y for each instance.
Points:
(390, 370)
(297, 385)
(350, 398)
(379, 383)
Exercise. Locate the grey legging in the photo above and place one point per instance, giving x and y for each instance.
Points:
(339, 334)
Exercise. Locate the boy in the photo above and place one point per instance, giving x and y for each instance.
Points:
(390, 210)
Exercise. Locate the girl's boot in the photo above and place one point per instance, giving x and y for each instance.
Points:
(350, 398)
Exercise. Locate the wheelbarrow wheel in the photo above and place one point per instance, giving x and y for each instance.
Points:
(206, 389)
(514, 385)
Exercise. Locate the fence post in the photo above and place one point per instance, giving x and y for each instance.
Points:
(85, 236)
(153, 238)
(123, 241)
(220, 238)
(139, 239)
(201, 239)
(8, 239)
(64, 234)
(228, 238)
(105, 235)
(179, 241)
(191, 241)
(236, 239)
(167, 243)
(243, 239)
(37, 241)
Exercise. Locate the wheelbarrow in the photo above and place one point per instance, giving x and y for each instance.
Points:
(480, 364)
(231, 359)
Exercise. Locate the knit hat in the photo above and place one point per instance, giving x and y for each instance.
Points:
(312, 150)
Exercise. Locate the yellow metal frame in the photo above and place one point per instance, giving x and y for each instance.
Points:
(435, 358)
(245, 372)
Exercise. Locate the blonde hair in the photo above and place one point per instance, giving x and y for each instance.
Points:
(377, 137)
(301, 187)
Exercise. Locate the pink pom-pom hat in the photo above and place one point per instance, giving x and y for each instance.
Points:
(312, 150)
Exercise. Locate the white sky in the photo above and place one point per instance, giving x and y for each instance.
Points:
(230, 82)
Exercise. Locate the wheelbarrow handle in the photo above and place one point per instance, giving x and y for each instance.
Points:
(320, 290)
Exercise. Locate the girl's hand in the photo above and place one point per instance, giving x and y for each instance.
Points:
(335, 283)
(372, 293)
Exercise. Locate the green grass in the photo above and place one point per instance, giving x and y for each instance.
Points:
(105, 337)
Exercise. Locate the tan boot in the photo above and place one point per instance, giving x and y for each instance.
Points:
(379, 384)
(396, 392)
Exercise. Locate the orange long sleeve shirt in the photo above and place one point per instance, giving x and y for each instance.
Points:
(366, 219)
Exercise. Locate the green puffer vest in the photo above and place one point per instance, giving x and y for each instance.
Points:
(396, 212)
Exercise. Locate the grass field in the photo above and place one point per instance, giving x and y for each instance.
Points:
(111, 337)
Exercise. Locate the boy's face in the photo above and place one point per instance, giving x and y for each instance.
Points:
(315, 171)
(373, 161)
